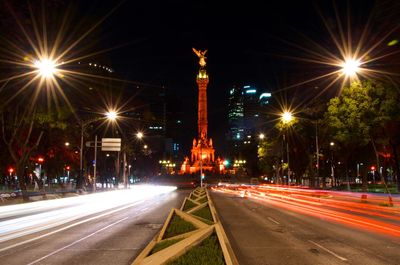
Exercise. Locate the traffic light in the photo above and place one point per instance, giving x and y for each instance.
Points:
(373, 168)
(68, 168)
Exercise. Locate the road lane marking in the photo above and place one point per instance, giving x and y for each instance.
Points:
(273, 220)
(77, 241)
(71, 225)
(327, 250)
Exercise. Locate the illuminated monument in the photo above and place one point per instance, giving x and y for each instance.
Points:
(202, 154)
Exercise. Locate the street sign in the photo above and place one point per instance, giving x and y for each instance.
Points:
(111, 144)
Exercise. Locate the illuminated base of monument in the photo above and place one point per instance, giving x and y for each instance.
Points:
(202, 158)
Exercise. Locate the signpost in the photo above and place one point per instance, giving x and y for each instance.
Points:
(107, 144)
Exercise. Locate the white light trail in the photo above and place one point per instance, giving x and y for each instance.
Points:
(24, 219)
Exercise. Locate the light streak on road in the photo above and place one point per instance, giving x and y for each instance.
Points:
(24, 219)
(361, 211)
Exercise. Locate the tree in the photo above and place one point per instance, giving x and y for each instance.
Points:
(269, 159)
(22, 132)
(355, 117)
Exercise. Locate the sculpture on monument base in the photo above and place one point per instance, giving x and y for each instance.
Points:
(202, 57)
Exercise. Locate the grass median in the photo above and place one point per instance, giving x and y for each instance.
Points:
(204, 213)
(188, 205)
(208, 252)
(178, 226)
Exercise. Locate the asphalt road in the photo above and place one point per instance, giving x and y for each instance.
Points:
(263, 234)
(113, 236)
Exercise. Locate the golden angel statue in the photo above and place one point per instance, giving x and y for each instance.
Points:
(201, 55)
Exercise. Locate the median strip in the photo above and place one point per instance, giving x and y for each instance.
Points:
(190, 235)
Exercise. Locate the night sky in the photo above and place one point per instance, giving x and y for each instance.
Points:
(246, 42)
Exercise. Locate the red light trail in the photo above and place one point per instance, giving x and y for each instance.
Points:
(347, 208)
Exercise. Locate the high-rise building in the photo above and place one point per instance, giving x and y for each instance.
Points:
(247, 114)
(236, 113)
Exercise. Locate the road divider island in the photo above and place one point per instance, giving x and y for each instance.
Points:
(192, 234)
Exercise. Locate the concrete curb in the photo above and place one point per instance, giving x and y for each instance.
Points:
(226, 247)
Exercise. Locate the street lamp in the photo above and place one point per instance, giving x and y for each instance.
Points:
(261, 136)
(46, 67)
(111, 116)
(139, 135)
(287, 118)
(350, 67)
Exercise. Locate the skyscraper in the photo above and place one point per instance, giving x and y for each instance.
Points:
(246, 115)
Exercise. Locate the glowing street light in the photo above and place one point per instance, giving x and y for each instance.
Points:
(46, 67)
(139, 135)
(112, 115)
(350, 67)
(287, 117)
(261, 136)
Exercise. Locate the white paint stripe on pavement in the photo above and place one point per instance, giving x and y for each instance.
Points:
(69, 226)
(327, 250)
(77, 241)
(273, 220)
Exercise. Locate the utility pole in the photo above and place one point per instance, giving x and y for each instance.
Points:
(80, 176)
(317, 151)
(287, 158)
(95, 162)
(118, 169)
(124, 171)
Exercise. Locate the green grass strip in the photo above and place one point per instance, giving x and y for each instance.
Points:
(164, 244)
(178, 226)
(188, 205)
(208, 252)
(204, 213)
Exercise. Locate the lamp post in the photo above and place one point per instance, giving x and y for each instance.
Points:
(287, 118)
(110, 116)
